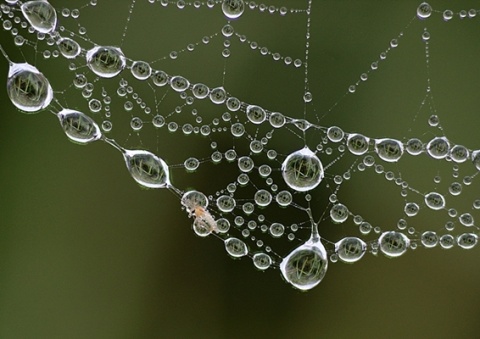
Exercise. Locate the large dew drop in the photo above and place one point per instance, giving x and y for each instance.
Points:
(147, 169)
(350, 249)
(438, 148)
(389, 149)
(357, 144)
(305, 267)
(78, 127)
(435, 201)
(41, 15)
(106, 62)
(393, 244)
(28, 89)
(233, 8)
(302, 170)
(236, 247)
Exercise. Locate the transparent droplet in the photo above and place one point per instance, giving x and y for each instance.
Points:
(262, 261)
(106, 62)
(233, 104)
(218, 95)
(147, 169)
(305, 267)
(339, 213)
(350, 249)
(335, 134)
(136, 123)
(160, 78)
(79, 127)
(389, 150)
(447, 241)
(476, 159)
(179, 83)
(438, 148)
(226, 203)
(467, 240)
(263, 198)
(365, 228)
(459, 153)
(41, 15)
(435, 201)
(414, 146)
(455, 188)
(429, 239)
(237, 129)
(233, 8)
(141, 70)
(191, 164)
(69, 48)
(245, 164)
(302, 170)
(200, 91)
(276, 230)
(227, 30)
(447, 15)
(466, 219)
(256, 114)
(424, 10)
(411, 209)
(357, 144)
(393, 244)
(193, 199)
(276, 119)
(223, 225)
(236, 247)
(28, 89)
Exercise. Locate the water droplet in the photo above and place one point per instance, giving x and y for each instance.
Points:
(227, 30)
(106, 62)
(411, 209)
(429, 239)
(284, 198)
(455, 188)
(438, 148)
(435, 201)
(41, 15)
(160, 78)
(339, 213)
(393, 244)
(389, 149)
(179, 83)
(357, 144)
(236, 247)
(200, 91)
(447, 15)
(69, 48)
(466, 219)
(223, 225)
(350, 249)
(276, 230)
(262, 261)
(302, 170)
(233, 8)
(263, 198)
(424, 10)
(447, 241)
(305, 267)
(459, 153)
(147, 169)
(218, 95)
(245, 164)
(191, 164)
(28, 89)
(476, 159)
(141, 70)
(193, 199)
(414, 146)
(467, 240)
(79, 127)
(276, 119)
(256, 114)
(226, 203)
(233, 104)
(136, 123)
(335, 134)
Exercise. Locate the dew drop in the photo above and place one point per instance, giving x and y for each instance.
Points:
(79, 127)
(226, 203)
(357, 144)
(256, 114)
(263, 198)
(302, 170)
(424, 10)
(305, 267)
(69, 48)
(393, 244)
(276, 119)
(335, 134)
(236, 247)
(28, 89)
(179, 83)
(339, 213)
(218, 95)
(350, 249)
(141, 70)
(429, 239)
(106, 62)
(438, 148)
(147, 169)
(414, 146)
(192, 199)
(41, 15)
(435, 201)
(262, 261)
(467, 240)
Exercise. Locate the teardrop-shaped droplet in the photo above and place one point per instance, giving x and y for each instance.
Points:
(79, 127)
(147, 169)
(305, 267)
(106, 61)
(350, 249)
(389, 149)
(393, 244)
(28, 89)
(233, 8)
(41, 15)
(302, 170)
(236, 247)
(69, 48)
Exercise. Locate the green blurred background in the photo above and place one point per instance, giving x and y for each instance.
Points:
(85, 253)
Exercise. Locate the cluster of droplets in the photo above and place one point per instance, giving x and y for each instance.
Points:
(302, 170)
